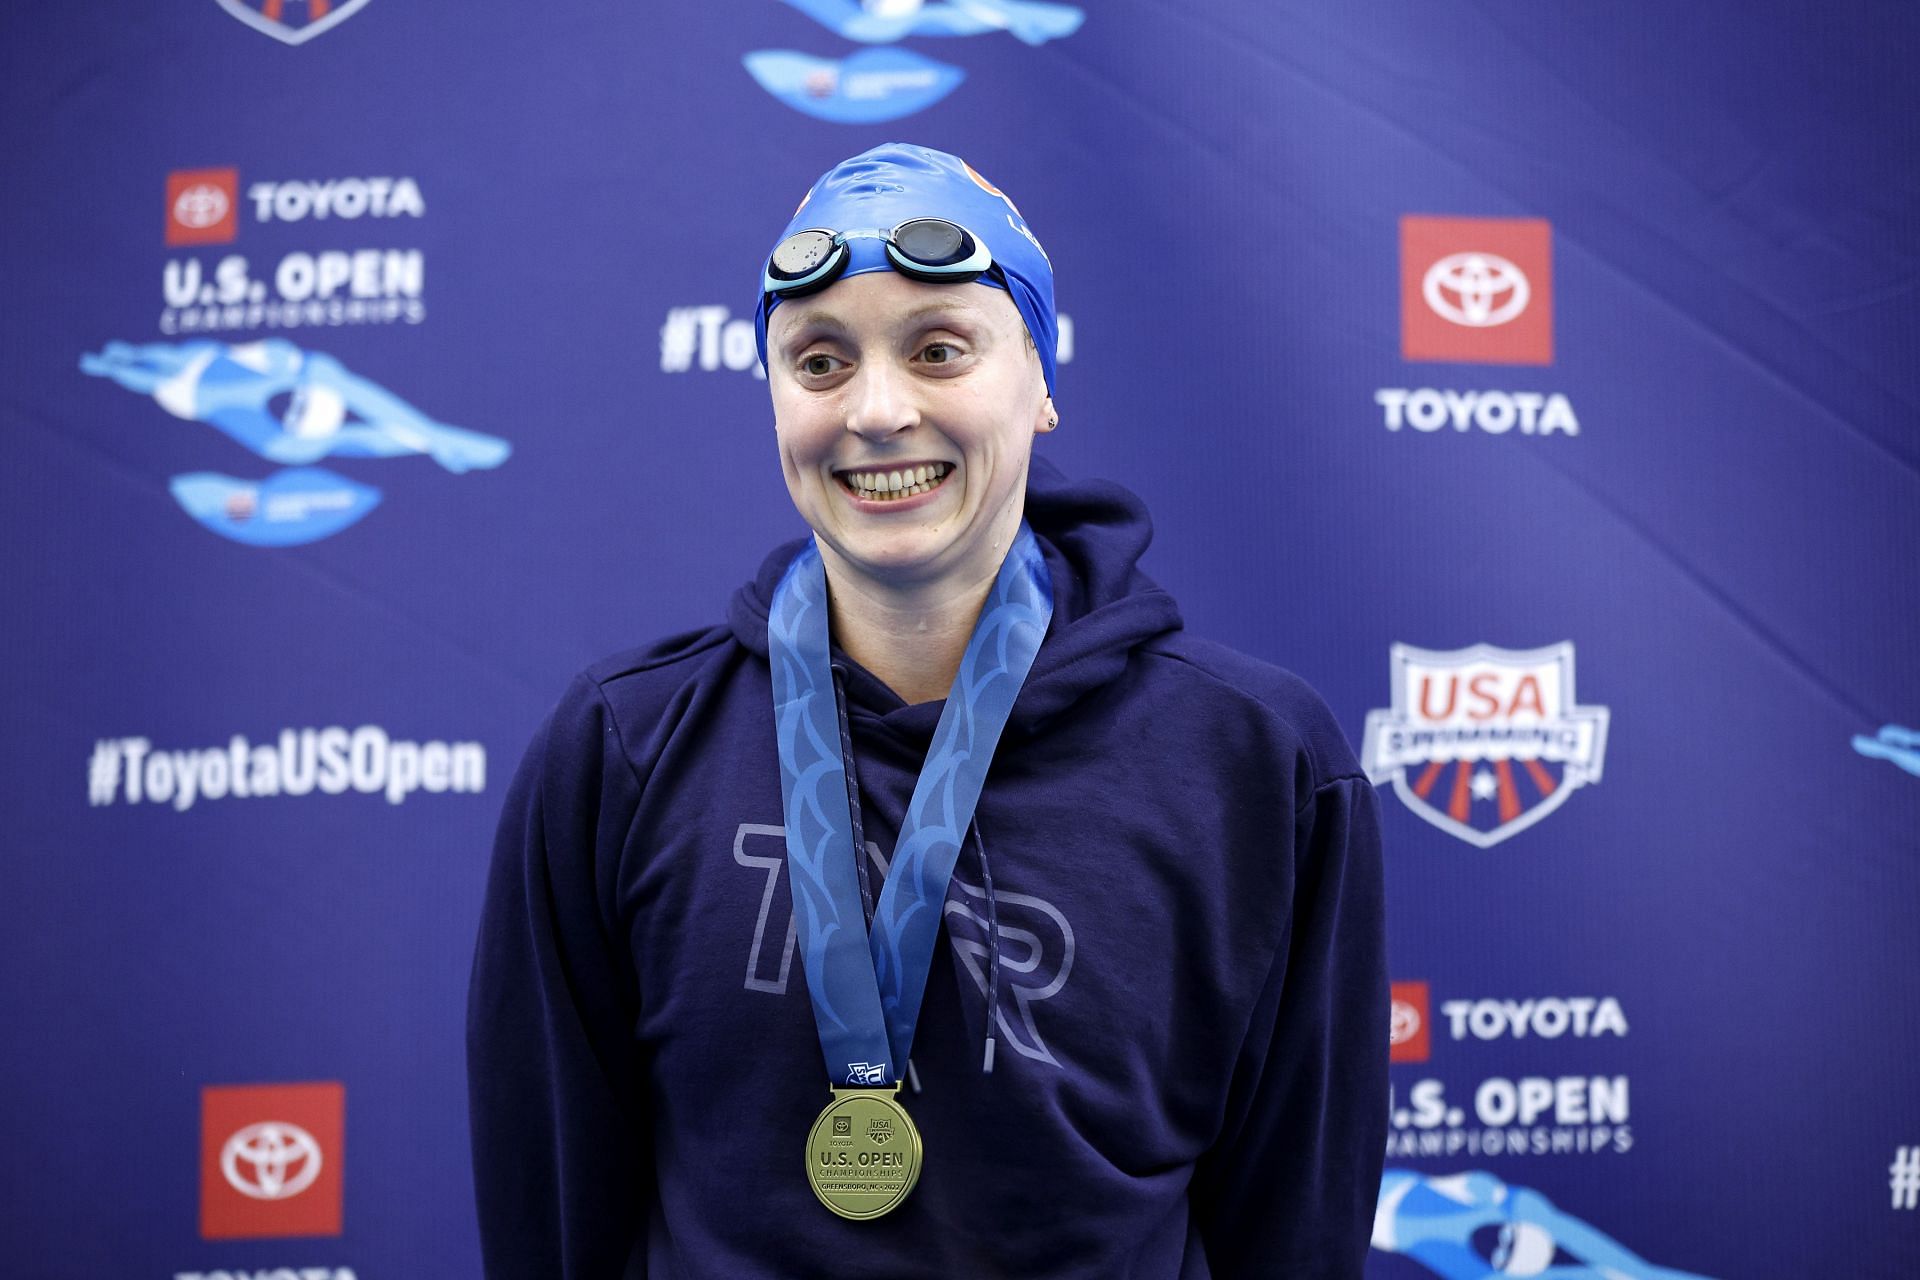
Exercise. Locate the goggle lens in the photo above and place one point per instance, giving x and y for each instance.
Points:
(800, 254)
(932, 242)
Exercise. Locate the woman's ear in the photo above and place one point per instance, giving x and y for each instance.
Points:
(1048, 418)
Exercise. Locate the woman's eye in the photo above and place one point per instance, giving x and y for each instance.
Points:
(939, 353)
(817, 366)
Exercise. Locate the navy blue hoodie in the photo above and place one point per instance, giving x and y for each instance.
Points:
(1189, 1077)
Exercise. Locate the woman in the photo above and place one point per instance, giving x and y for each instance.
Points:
(777, 977)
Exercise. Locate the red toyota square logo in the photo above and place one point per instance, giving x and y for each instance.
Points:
(1409, 1040)
(1476, 290)
(203, 206)
(270, 1159)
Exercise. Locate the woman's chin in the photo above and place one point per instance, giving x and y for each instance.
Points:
(903, 558)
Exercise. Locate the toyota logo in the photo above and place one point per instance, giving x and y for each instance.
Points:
(201, 205)
(271, 1160)
(1478, 290)
(1406, 1022)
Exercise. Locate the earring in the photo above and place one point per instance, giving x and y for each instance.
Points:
(1053, 422)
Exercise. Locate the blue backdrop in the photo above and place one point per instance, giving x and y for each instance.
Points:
(372, 366)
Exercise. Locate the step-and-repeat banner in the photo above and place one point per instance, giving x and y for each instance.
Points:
(1537, 380)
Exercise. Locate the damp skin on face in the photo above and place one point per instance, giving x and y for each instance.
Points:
(905, 414)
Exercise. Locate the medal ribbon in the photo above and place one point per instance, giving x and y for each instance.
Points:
(867, 985)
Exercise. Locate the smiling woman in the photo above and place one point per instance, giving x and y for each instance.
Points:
(1176, 1069)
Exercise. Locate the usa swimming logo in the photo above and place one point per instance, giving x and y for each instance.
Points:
(874, 85)
(1484, 742)
(293, 21)
(871, 86)
(329, 412)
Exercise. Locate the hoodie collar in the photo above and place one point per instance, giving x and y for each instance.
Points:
(1092, 533)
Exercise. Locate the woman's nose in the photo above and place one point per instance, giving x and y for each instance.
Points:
(882, 401)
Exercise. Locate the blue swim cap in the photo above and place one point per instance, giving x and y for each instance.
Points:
(897, 181)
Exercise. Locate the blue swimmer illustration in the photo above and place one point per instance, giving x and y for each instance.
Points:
(332, 412)
(884, 21)
(1433, 1220)
(1895, 744)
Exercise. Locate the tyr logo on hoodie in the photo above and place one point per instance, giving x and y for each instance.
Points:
(1036, 941)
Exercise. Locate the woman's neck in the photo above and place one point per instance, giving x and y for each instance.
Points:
(912, 637)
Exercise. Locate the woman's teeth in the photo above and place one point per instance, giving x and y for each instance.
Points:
(890, 486)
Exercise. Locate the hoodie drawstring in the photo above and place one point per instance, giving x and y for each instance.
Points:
(993, 951)
(866, 885)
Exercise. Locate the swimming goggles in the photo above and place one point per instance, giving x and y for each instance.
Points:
(930, 249)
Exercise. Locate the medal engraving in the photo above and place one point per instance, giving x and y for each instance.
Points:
(863, 1154)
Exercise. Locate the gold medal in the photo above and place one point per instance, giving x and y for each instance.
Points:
(863, 1153)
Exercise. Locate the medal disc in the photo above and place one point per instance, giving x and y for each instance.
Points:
(863, 1153)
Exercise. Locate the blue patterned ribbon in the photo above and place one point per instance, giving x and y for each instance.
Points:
(866, 999)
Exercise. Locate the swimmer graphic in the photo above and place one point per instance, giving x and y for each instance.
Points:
(1434, 1222)
(884, 21)
(331, 411)
(1895, 744)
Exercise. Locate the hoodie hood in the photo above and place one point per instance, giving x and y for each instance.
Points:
(1093, 533)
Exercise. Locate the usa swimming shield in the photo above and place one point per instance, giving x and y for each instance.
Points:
(293, 21)
(1484, 742)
